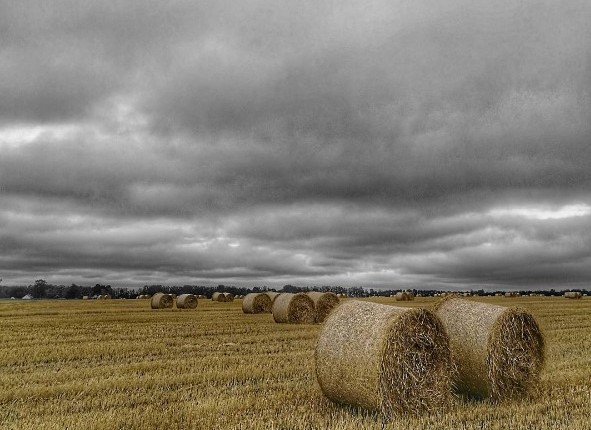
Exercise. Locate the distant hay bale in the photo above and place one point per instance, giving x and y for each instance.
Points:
(384, 358)
(186, 301)
(218, 297)
(294, 309)
(324, 303)
(573, 295)
(272, 295)
(256, 303)
(511, 294)
(403, 296)
(498, 351)
(229, 297)
(161, 301)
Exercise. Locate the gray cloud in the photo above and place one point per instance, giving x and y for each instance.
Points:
(383, 144)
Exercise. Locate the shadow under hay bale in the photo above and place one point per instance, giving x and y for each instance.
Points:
(384, 358)
(161, 301)
(294, 309)
(498, 351)
(324, 303)
(186, 301)
(256, 303)
(218, 297)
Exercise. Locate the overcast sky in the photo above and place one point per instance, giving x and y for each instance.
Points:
(377, 143)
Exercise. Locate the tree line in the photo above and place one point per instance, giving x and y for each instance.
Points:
(41, 289)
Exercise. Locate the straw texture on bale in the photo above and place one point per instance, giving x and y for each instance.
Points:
(384, 358)
(229, 297)
(218, 297)
(256, 303)
(272, 295)
(186, 301)
(323, 304)
(294, 309)
(498, 351)
(161, 301)
(573, 295)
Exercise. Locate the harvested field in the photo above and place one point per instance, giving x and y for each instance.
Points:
(85, 364)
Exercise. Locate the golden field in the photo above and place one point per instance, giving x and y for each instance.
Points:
(117, 364)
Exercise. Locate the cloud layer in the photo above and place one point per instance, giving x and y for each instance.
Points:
(384, 144)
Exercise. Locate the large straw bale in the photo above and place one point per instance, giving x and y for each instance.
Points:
(384, 358)
(324, 303)
(498, 351)
(229, 297)
(294, 309)
(573, 295)
(256, 303)
(218, 297)
(186, 301)
(161, 301)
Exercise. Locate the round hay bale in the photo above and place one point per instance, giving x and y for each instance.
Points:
(573, 295)
(384, 358)
(323, 304)
(161, 301)
(294, 309)
(218, 297)
(402, 296)
(229, 297)
(498, 351)
(186, 301)
(256, 303)
(272, 295)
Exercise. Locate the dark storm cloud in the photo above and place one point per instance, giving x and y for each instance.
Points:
(383, 144)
